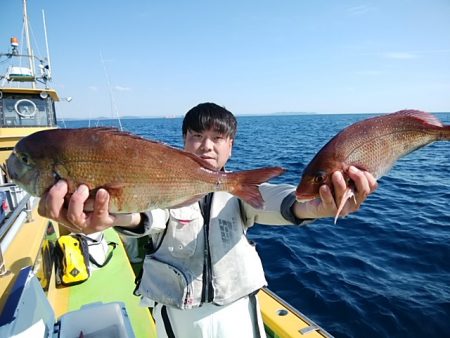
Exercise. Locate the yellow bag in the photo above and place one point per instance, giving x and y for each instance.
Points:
(72, 259)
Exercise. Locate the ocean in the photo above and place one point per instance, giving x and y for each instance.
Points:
(383, 271)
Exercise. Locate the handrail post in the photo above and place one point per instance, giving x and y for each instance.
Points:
(3, 271)
(29, 211)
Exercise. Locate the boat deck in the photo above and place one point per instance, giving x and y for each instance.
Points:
(111, 283)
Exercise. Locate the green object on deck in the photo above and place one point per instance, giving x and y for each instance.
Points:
(114, 282)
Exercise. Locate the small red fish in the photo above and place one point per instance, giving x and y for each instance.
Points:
(373, 145)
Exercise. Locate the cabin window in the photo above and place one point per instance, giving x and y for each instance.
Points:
(26, 110)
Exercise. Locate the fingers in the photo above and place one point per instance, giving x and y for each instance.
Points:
(101, 202)
(75, 217)
(365, 183)
(51, 204)
(327, 198)
(339, 186)
(75, 213)
(373, 184)
(339, 195)
(88, 222)
(100, 217)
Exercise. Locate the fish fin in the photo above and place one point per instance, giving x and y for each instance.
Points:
(349, 193)
(113, 186)
(422, 116)
(114, 189)
(126, 134)
(122, 133)
(197, 159)
(245, 184)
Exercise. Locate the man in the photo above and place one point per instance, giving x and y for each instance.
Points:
(202, 274)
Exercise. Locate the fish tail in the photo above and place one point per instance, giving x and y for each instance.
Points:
(244, 184)
(444, 134)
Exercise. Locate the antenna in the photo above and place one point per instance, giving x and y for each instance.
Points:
(27, 36)
(111, 96)
(49, 68)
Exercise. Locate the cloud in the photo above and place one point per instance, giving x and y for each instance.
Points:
(360, 10)
(122, 89)
(93, 88)
(400, 55)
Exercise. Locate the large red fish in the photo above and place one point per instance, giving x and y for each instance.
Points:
(139, 174)
(373, 145)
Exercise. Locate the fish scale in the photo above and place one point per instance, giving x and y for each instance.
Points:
(380, 154)
(139, 174)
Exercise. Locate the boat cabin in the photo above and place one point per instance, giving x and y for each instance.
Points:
(27, 107)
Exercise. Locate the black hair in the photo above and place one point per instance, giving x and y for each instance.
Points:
(207, 116)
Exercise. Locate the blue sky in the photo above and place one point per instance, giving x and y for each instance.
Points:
(254, 57)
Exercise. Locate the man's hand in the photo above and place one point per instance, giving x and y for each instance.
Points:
(74, 217)
(327, 205)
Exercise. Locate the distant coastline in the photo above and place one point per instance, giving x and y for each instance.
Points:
(133, 117)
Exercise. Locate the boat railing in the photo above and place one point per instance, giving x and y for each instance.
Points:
(16, 206)
(19, 205)
(284, 320)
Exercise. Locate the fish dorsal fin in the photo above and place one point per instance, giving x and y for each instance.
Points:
(200, 161)
(115, 131)
(422, 116)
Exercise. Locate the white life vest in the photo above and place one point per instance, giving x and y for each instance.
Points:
(174, 274)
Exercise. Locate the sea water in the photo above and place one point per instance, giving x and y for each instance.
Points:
(383, 271)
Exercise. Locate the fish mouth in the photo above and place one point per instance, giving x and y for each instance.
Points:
(4, 168)
(30, 184)
(25, 179)
(8, 166)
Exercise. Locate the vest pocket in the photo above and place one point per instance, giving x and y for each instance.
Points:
(165, 284)
(182, 233)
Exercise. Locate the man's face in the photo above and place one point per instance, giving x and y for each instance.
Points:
(212, 146)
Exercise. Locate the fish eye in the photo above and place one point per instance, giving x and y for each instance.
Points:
(23, 157)
(320, 177)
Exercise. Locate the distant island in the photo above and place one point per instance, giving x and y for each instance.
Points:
(133, 117)
(173, 116)
(294, 113)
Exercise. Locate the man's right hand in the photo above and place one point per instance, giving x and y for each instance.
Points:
(74, 217)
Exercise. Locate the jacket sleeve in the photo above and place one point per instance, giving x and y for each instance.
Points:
(278, 200)
(152, 222)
